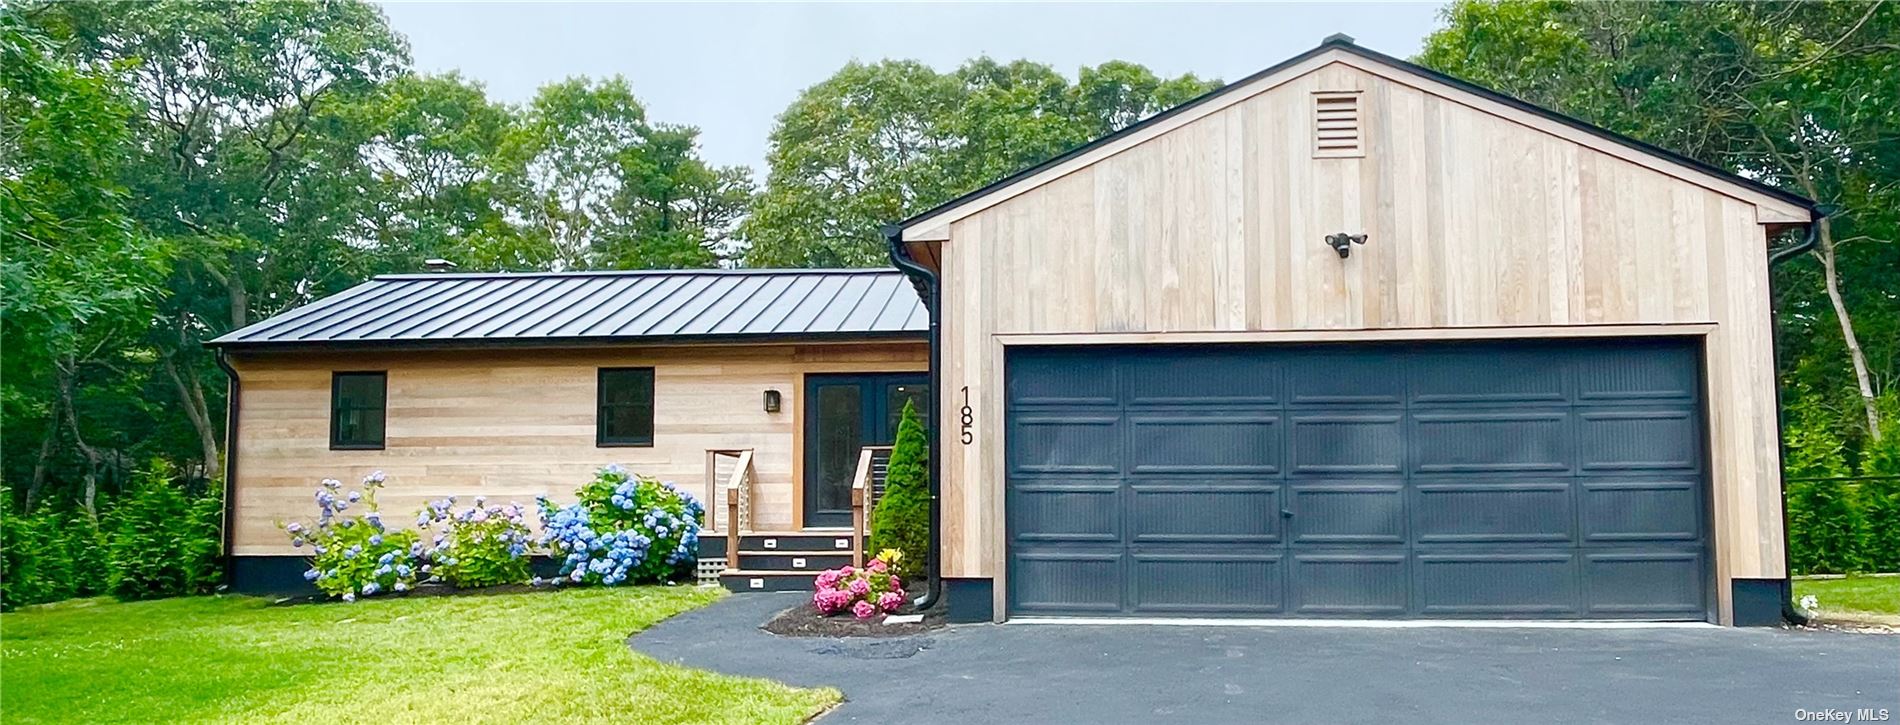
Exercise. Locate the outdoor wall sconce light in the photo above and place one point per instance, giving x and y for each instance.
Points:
(1342, 242)
(772, 400)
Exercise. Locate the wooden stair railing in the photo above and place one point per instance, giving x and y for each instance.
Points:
(867, 485)
(860, 488)
(738, 496)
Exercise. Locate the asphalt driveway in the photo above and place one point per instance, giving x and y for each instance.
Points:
(1113, 674)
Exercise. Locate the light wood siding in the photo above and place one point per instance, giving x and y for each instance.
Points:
(514, 425)
(1475, 218)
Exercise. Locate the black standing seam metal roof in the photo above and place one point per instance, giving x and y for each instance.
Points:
(1342, 42)
(584, 307)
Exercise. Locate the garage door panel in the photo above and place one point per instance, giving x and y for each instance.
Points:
(1066, 582)
(1637, 440)
(1445, 378)
(1078, 512)
(1358, 443)
(1645, 583)
(1498, 584)
(1226, 513)
(1491, 441)
(1063, 378)
(1341, 377)
(1224, 378)
(1348, 513)
(1187, 443)
(1366, 585)
(1065, 443)
(1208, 583)
(1643, 510)
(1636, 372)
(1494, 512)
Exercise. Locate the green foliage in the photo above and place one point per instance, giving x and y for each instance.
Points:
(356, 554)
(36, 565)
(875, 143)
(162, 542)
(1823, 528)
(481, 547)
(625, 529)
(901, 520)
(1879, 502)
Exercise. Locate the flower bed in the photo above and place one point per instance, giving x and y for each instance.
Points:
(624, 529)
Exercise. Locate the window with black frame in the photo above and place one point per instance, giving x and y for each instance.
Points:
(358, 407)
(625, 415)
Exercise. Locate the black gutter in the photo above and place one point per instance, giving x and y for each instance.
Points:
(480, 343)
(931, 289)
(1816, 213)
(233, 400)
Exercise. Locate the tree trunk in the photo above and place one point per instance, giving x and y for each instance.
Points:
(1825, 250)
(240, 299)
(40, 464)
(191, 393)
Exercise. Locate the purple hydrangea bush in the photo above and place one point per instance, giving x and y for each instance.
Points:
(624, 528)
(862, 591)
(354, 554)
(482, 546)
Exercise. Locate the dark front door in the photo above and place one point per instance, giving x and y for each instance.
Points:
(1460, 480)
(845, 413)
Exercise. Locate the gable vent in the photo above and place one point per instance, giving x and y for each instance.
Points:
(1336, 131)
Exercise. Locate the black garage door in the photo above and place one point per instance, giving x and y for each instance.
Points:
(1467, 480)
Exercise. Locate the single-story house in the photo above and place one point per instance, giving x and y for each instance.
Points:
(1347, 338)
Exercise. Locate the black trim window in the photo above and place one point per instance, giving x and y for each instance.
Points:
(359, 403)
(625, 414)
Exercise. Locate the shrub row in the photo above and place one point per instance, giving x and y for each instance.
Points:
(152, 541)
(624, 529)
(1838, 528)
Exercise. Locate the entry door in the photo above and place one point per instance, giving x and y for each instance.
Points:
(844, 414)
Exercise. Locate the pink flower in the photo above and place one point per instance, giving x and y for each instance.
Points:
(860, 587)
(890, 601)
(828, 577)
(847, 570)
(896, 583)
(877, 565)
(863, 610)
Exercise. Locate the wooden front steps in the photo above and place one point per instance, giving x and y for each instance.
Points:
(779, 561)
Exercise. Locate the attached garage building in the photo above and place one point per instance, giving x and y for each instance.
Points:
(1352, 339)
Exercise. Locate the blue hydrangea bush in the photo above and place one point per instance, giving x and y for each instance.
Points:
(480, 547)
(623, 529)
(353, 554)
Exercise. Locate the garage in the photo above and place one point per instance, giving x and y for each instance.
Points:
(1467, 480)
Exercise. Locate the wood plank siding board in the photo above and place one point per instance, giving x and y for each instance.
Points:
(514, 424)
(1479, 225)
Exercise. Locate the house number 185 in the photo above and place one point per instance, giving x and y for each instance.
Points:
(968, 418)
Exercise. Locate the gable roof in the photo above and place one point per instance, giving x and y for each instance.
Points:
(1340, 43)
(554, 309)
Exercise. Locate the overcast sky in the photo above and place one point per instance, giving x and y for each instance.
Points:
(731, 68)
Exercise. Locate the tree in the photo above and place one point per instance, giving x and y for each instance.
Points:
(78, 275)
(1805, 96)
(901, 519)
(601, 187)
(878, 142)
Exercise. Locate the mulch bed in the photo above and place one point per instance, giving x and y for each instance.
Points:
(805, 621)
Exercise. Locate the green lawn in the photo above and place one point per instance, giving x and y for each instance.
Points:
(551, 657)
(1859, 597)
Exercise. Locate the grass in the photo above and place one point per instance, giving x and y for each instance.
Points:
(542, 656)
(1855, 598)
